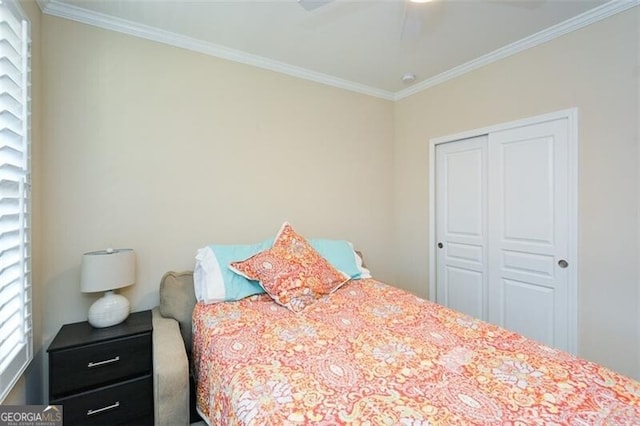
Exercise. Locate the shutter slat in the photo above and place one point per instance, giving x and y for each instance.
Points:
(9, 325)
(11, 46)
(12, 254)
(12, 156)
(7, 231)
(6, 51)
(8, 134)
(9, 345)
(8, 19)
(10, 122)
(11, 249)
(10, 104)
(10, 281)
(11, 139)
(9, 188)
(10, 289)
(7, 34)
(8, 203)
(9, 170)
(7, 282)
(10, 305)
(11, 75)
(10, 79)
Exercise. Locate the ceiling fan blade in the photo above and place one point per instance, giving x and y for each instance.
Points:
(421, 18)
(411, 21)
(523, 4)
(310, 5)
(336, 12)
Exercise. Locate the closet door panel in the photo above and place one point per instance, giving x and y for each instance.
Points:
(528, 222)
(461, 277)
(528, 309)
(464, 289)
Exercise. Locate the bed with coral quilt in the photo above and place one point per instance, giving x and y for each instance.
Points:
(370, 353)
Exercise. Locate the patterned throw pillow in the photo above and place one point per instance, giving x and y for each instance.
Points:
(292, 272)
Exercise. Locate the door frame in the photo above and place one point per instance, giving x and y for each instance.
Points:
(571, 115)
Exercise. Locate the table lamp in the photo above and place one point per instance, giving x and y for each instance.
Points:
(107, 270)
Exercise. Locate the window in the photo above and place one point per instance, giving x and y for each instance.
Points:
(16, 340)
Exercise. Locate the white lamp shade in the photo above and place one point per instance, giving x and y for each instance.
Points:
(106, 270)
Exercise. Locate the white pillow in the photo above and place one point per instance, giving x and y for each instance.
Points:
(214, 282)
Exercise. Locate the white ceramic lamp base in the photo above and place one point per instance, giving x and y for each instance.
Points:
(110, 309)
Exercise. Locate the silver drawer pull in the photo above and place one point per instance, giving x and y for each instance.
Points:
(100, 410)
(105, 362)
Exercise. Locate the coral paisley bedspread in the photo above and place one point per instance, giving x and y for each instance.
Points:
(373, 354)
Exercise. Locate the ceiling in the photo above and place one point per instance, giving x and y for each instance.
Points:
(365, 46)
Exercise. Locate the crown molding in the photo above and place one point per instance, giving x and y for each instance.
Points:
(74, 13)
(42, 4)
(592, 16)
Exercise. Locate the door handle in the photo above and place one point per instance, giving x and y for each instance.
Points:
(563, 263)
(440, 245)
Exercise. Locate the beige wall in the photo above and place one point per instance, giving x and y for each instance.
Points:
(165, 150)
(596, 70)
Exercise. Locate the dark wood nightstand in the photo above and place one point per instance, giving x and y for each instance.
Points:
(103, 376)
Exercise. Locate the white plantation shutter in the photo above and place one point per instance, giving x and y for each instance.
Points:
(16, 340)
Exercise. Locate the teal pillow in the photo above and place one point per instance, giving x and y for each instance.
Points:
(342, 256)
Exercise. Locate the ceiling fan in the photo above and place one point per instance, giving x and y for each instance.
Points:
(418, 15)
(412, 20)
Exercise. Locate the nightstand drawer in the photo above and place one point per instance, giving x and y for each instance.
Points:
(129, 402)
(99, 363)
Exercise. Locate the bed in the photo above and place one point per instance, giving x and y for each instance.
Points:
(370, 353)
(293, 331)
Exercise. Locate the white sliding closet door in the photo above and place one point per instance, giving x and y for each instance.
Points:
(528, 224)
(502, 229)
(461, 218)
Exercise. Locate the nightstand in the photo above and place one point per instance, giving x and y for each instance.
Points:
(103, 375)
